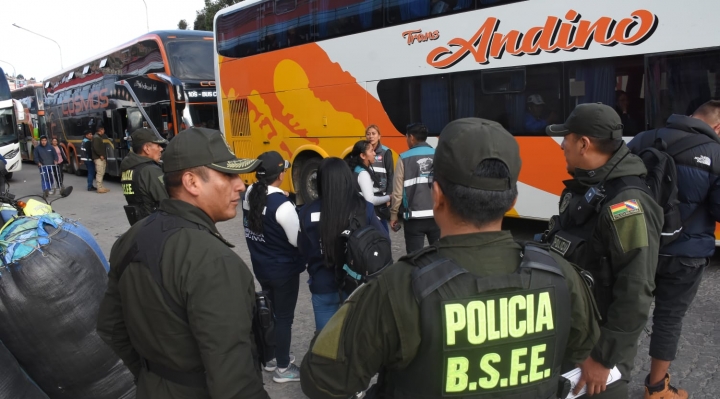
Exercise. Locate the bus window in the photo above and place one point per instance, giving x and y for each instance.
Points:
(617, 82)
(679, 84)
(523, 100)
(420, 99)
(238, 34)
(337, 18)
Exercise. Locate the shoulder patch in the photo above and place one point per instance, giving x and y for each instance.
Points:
(625, 209)
(628, 221)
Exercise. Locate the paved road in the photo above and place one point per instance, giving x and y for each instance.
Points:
(696, 369)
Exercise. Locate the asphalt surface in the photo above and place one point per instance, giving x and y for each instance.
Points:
(695, 369)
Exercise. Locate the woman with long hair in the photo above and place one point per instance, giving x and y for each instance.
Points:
(271, 231)
(360, 160)
(384, 168)
(321, 223)
(61, 160)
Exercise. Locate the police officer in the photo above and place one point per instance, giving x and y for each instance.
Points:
(141, 177)
(412, 193)
(179, 304)
(609, 225)
(383, 167)
(476, 314)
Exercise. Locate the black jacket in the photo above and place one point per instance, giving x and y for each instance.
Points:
(698, 176)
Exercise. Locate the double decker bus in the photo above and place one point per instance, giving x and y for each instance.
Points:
(9, 110)
(305, 77)
(32, 125)
(162, 80)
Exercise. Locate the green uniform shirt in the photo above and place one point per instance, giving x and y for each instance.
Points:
(631, 239)
(98, 146)
(151, 188)
(379, 325)
(203, 275)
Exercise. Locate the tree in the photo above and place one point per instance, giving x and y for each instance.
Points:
(204, 18)
(20, 77)
(182, 24)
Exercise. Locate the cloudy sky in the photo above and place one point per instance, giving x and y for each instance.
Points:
(83, 28)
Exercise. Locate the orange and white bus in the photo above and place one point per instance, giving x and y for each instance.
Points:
(305, 77)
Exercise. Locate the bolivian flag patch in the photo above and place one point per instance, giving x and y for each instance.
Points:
(624, 209)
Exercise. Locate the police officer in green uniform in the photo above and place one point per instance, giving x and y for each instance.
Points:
(179, 304)
(610, 225)
(142, 176)
(474, 315)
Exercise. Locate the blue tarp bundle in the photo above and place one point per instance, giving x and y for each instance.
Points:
(51, 284)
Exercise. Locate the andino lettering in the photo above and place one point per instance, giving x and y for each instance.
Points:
(498, 342)
(573, 33)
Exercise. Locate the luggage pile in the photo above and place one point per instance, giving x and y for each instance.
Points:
(53, 277)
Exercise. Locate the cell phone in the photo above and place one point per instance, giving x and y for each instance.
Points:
(396, 228)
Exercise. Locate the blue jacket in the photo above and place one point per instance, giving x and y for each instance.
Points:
(272, 256)
(322, 278)
(698, 180)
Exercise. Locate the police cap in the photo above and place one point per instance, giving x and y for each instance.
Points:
(204, 147)
(592, 120)
(465, 143)
(143, 135)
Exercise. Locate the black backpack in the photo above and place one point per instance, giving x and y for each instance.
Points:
(368, 252)
(661, 179)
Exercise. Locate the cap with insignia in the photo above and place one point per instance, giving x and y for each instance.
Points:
(204, 147)
(465, 143)
(143, 135)
(592, 120)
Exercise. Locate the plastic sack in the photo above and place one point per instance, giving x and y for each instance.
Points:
(14, 383)
(51, 285)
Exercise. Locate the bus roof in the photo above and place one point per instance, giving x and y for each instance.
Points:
(163, 35)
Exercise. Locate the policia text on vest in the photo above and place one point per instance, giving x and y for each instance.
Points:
(498, 342)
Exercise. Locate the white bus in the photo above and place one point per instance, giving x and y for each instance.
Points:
(304, 77)
(10, 110)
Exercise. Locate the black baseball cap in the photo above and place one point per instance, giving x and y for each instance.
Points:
(465, 143)
(272, 164)
(143, 135)
(199, 146)
(592, 120)
(43, 137)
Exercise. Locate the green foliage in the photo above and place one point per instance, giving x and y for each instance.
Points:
(182, 24)
(204, 17)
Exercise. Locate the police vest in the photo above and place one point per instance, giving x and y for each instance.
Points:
(147, 250)
(272, 255)
(501, 336)
(570, 234)
(130, 184)
(417, 202)
(86, 150)
(379, 167)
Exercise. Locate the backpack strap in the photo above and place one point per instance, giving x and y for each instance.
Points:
(147, 249)
(684, 144)
(431, 272)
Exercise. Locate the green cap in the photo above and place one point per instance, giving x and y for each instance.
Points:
(465, 143)
(592, 120)
(204, 147)
(142, 136)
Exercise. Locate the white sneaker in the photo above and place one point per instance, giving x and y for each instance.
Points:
(272, 364)
(291, 373)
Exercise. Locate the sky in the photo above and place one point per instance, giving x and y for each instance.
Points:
(82, 28)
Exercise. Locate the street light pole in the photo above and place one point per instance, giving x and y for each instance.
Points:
(45, 37)
(147, 20)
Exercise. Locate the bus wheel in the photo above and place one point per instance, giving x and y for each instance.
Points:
(308, 180)
(74, 168)
(8, 176)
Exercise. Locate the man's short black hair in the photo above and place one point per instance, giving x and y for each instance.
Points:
(606, 146)
(417, 130)
(476, 206)
(173, 180)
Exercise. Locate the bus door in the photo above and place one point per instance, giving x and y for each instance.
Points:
(112, 152)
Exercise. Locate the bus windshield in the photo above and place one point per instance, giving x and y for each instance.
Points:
(4, 87)
(7, 133)
(189, 59)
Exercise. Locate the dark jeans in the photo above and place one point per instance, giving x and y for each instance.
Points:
(676, 282)
(416, 230)
(283, 295)
(90, 165)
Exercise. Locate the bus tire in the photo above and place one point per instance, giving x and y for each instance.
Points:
(9, 176)
(308, 180)
(74, 167)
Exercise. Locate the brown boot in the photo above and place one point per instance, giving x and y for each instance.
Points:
(664, 390)
(102, 190)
